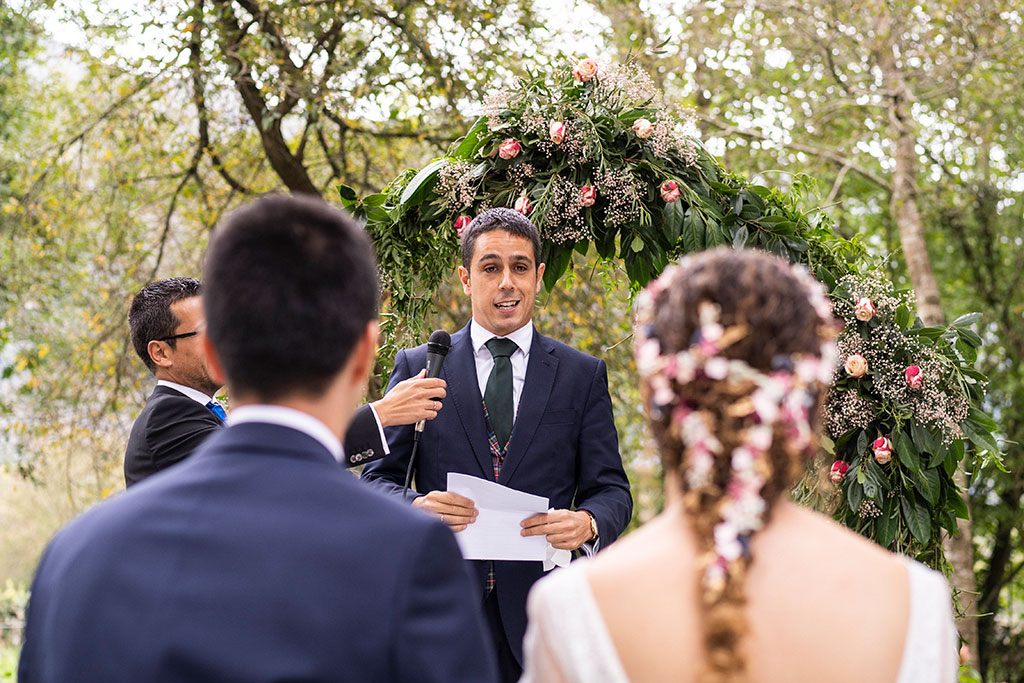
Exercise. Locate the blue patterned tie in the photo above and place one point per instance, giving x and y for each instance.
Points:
(217, 410)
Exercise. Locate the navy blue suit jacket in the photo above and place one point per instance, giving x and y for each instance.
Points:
(256, 559)
(563, 446)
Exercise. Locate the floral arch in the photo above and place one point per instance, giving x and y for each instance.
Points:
(597, 160)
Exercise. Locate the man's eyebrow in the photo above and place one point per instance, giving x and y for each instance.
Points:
(497, 257)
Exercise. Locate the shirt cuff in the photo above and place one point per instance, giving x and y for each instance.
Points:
(380, 430)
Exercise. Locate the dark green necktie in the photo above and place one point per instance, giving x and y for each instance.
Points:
(498, 394)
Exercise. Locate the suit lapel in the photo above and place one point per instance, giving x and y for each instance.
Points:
(464, 390)
(540, 378)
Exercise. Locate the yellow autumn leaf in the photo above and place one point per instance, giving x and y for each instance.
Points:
(43, 350)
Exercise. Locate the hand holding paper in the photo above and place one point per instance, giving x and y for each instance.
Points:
(497, 533)
(564, 529)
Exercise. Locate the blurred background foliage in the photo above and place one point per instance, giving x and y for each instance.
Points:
(128, 129)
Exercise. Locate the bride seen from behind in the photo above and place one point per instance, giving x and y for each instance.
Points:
(733, 581)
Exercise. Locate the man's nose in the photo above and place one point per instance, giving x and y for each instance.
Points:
(506, 279)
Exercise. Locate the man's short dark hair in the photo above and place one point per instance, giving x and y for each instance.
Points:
(150, 316)
(500, 218)
(291, 283)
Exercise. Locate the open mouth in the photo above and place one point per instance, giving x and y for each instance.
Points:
(507, 305)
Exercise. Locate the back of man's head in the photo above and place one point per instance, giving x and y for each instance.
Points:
(291, 284)
(150, 316)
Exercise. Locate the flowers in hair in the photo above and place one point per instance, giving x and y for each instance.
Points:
(779, 401)
(838, 471)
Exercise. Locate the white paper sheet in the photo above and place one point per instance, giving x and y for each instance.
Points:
(495, 535)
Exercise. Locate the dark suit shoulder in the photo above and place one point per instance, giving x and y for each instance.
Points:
(565, 352)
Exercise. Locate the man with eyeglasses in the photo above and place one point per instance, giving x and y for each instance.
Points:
(165, 320)
(166, 324)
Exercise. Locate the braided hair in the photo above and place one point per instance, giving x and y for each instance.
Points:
(735, 348)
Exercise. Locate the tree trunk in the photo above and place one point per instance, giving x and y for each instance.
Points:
(903, 204)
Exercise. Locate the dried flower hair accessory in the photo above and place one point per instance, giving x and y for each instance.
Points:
(782, 397)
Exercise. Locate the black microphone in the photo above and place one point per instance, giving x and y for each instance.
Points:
(437, 348)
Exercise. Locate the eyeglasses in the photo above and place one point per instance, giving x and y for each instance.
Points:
(183, 335)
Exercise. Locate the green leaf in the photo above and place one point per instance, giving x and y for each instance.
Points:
(557, 259)
(906, 452)
(927, 332)
(903, 317)
(980, 436)
(422, 183)
(968, 337)
(347, 194)
(928, 485)
(966, 319)
(673, 213)
(637, 245)
(375, 199)
(887, 523)
(740, 237)
(922, 438)
(956, 501)
(469, 143)
(854, 494)
(918, 519)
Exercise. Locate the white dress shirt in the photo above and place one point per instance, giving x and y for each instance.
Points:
(523, 337)
(194, 394)
(289, 417)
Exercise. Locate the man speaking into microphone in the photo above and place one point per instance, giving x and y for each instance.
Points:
(522, 409)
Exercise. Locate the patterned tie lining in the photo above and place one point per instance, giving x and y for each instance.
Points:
(498, 459)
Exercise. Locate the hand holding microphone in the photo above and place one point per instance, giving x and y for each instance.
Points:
(437, 348)
(411, 400)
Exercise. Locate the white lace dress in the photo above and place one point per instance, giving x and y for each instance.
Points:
(562, 604)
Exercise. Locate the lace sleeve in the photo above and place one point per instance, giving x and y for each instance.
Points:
(567, 640)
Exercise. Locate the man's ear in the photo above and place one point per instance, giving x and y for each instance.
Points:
(213, 364)
(158, 353)
(540, 277)
(364, 354)
(464, 277)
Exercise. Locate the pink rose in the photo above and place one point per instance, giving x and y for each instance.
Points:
(508, 149)
(669, 191)
(965, 654)
(856, 365)
(588, 195)
(556, 131)
(914, 377)
(839, 469)
(882, 448)
(523, 205)
(864, 310)
(461, 223)
(584, 70)
(643, 128)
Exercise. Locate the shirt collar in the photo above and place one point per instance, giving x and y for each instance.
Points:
(523, 337)
(289, 417)
(194, 394)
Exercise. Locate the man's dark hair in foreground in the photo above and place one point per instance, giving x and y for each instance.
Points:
(258, 558)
